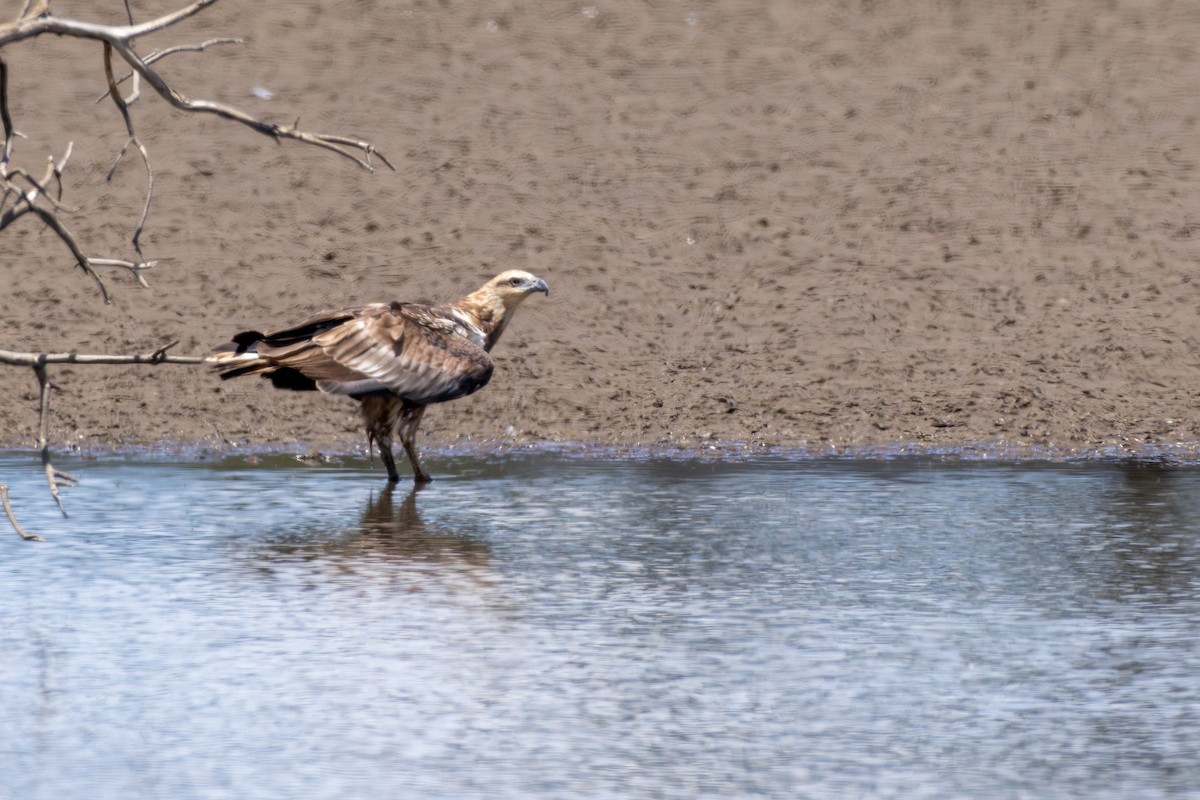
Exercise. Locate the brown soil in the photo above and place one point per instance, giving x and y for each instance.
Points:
(818, 224)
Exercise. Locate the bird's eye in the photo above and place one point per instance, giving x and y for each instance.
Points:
(515, 282)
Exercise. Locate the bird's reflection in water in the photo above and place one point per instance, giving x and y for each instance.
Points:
(391, 538)
(1151, 546)
(398, 532)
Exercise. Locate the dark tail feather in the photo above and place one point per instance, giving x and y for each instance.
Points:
(246, 369)
(244, 342)
(280, 377)
(288, 378)
(240, 355)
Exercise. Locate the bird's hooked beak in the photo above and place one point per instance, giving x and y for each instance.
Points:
(541, 286)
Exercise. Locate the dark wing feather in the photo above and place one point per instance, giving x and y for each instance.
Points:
(421, 353)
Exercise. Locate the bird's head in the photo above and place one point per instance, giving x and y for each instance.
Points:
(493, 304)
(513, 286)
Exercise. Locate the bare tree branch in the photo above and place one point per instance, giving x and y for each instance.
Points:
(21, 194)
(16, 202)
(159, 356)
(5, 119)
(36, 20)
(120, 38)
(158, 54)
(12, 518)
(55, 477)
(123, 107)
(27, 203)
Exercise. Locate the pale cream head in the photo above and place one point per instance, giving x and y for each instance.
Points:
(514, 285)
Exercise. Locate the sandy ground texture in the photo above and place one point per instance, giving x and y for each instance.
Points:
(828, 225)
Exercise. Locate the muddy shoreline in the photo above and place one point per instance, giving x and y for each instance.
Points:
(1181, 454)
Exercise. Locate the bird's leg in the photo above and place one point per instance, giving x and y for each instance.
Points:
(385, 452)
(410, 418)
(380, 416)
(419, 473)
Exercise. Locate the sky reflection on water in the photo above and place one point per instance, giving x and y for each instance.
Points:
(540, 625)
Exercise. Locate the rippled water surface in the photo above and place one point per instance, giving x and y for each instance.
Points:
(542, 626)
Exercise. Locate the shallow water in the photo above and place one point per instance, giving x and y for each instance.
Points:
(543, 626)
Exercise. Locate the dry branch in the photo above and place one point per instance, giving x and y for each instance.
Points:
(121, 37)
(20, 194)
(55, 477)
(12, 518)
(157, 54)
(159, 356)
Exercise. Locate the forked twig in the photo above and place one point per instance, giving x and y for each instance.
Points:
(158, 54)
(123, 107)
(16, 200)
(55, 477)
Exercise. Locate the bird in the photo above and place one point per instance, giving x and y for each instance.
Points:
(394, 358)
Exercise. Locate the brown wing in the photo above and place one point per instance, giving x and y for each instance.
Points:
(418, 352)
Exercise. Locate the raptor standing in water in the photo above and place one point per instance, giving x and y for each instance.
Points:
(394, 358)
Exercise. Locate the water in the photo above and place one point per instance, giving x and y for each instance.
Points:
(548, 626)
